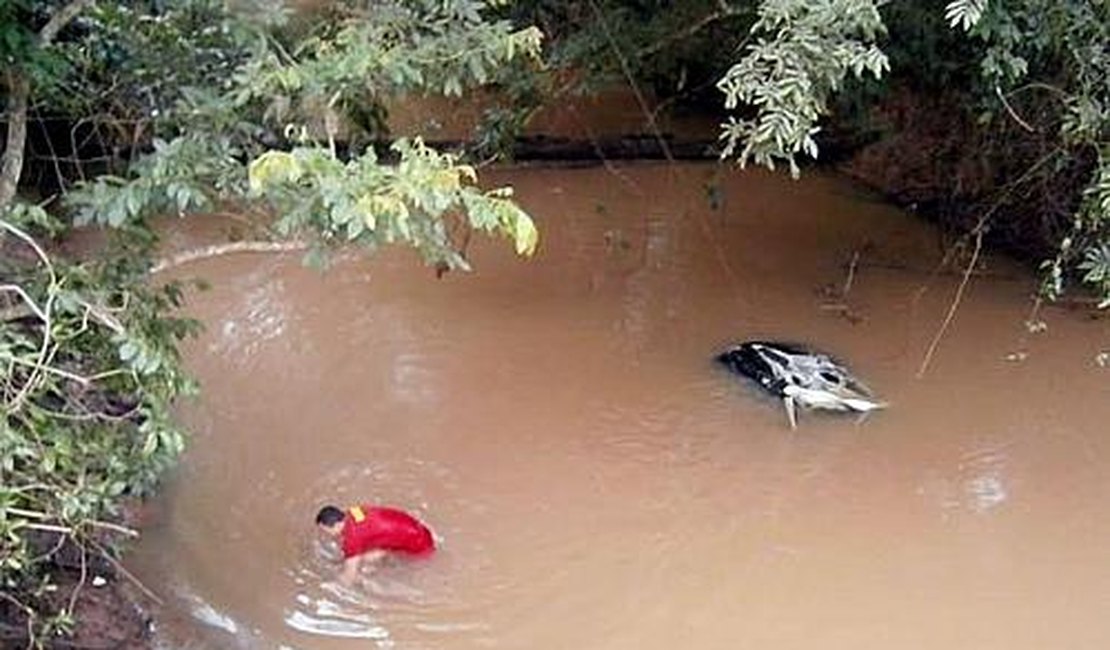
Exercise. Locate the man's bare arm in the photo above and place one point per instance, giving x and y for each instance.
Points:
(349, 573)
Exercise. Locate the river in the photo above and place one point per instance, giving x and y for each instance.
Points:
(596, 482)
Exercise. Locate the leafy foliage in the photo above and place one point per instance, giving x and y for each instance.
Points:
(88, 370)
(1049, 60)
(307, 92)
(802, 54)
(1096, 264)
(369, 203)
(18, 41)
(964, 14)
(400, 47)
(1038, 60)
(127, 66)
(188, 174)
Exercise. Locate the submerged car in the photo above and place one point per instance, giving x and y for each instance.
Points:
(800, 378)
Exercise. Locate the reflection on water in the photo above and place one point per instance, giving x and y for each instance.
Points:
(326, 608)
(208, 615)
(337, 612)
(260, 319)
(977, 483)
(597, 481)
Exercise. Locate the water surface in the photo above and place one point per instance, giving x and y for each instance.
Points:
(597, 482)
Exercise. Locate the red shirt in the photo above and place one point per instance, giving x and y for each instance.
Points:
(369, 528)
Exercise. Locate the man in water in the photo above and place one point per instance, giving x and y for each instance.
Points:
(367, 533)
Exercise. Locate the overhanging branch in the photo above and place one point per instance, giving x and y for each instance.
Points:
(217, 250)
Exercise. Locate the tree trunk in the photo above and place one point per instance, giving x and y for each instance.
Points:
(19, 90)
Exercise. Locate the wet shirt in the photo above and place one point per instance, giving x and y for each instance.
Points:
(368, 528)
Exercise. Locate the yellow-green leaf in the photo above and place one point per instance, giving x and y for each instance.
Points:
(525, 235)
(467, 171)
(272, 167)
(366, 207)
(392, 205)
(446, 180)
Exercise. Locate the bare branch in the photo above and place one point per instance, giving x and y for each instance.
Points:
(955, 303)
(226, 249)
(30, 241)
(54, 159)
(1012, 112)
(626, 68)
(44, 312)
(31, 304)
(115, 528)
(127, 574)
(49, 528)
(51, 370)
(80, 581)
(688, 31)
(59, 20)
(42, 516)
(102, 315)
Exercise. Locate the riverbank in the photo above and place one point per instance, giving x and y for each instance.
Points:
(107, 605)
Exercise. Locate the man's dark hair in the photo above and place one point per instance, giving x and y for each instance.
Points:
(329, 516)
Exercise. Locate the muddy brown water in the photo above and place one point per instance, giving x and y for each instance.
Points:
(596, 482)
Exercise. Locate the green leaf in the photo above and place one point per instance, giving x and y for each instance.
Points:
(525, 235)
(150, 444)
(272, 167)
(128, 351)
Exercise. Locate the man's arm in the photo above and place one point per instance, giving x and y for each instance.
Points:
(349, 573)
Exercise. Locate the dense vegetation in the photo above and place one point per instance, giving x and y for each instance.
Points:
(120, 111)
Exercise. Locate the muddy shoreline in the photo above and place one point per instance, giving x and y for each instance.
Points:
(110, 609)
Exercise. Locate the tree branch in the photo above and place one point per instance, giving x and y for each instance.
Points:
(43, 367)
(1012, 112)
(127, 574)
(42, 516)
(955, 303)
(688, 31)
(226, 249)
(59, 20)
(29, 303)
(44, 312)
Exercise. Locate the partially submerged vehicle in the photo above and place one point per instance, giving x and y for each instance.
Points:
(800, 377)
